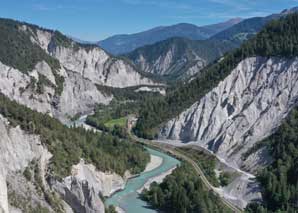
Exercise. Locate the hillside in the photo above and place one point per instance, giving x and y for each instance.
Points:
(249, 27)
(178, 58)
(120, 44)
(46, 166)
(48, 72)
(269, 42)
(237, 108)
(279, 180)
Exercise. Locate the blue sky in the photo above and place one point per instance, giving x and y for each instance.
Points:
(97, 19)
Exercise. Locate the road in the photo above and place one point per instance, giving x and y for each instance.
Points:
(197, 169)
(170, 149)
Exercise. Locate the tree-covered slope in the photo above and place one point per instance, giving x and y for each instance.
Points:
(17, 50)
(68, 146)
(181, 192)
(279, 181)
(249, 27)
(120, 44)
(177, 58)
(278, 38)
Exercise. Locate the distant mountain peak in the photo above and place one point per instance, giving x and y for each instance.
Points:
(121, 44)
(235, 20)
(289, 11)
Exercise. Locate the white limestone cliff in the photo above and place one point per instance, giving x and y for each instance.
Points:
(82, 68)
(168, 64)
(17, 150)
(243, 109)
(79, 95)
(104, 183)
(92, 63)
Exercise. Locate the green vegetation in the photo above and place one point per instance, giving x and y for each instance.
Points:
(33, 174)
(59, 39)
(243, 30)
(121, 122)
(278, 38)
(19, 52)
(27, 174)
(183, 192)
(106, 117)
(225, 178)
(184, 49)
(68, 146)
(205, 161)
(126, 102)
(22, 203)
(126, 94)
(279, 180)
(110, 209)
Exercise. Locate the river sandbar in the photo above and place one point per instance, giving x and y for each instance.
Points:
(155, 162)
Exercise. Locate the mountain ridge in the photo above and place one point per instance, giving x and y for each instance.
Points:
(120, 44)
(178, 58)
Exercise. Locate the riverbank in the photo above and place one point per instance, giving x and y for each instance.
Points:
(158, 179)
(128, 199)
(155, 162)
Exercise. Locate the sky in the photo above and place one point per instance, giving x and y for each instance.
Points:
(93, 20)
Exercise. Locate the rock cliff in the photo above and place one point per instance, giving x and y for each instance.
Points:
(65, 82)
(27, 185)
(178, 58)
(244, 108)
(18, 150)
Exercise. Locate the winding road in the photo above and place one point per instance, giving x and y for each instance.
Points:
(171, 150)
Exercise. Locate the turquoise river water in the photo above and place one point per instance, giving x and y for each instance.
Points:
(128, 199)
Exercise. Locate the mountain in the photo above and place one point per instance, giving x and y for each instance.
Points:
(249, 27)
(51, 73)
(80, 41)
(216, 28)
(46, 166)
(236, 109)
(178, 58)
(120, 44)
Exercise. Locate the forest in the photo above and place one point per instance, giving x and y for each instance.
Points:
(183, 192)
(279, 180)
(279, 38)
(69, 145)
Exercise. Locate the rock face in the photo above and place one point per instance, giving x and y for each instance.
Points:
(83, 188)
(62, 84)
(79, 95)
(243, 109)
(105, 183)
(89, 61)
(178, 58)
(167, 63)
(241, 191)
(79, 195)
(71, 89)
(99, 67)
(17, 150)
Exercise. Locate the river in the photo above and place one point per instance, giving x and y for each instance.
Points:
(128, 199)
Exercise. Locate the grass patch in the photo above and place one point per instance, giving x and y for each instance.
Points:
(119, 122)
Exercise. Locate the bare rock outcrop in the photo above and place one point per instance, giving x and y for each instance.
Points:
(244, 108)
